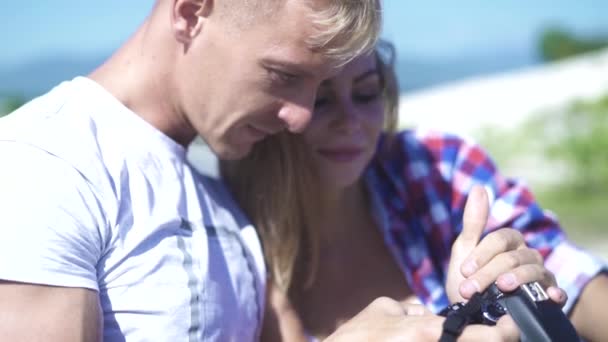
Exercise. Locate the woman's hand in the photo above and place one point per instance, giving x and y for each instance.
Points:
(502, 257)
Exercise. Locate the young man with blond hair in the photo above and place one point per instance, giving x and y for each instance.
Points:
(107, 231)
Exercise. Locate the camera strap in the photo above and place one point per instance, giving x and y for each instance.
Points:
(457, 320)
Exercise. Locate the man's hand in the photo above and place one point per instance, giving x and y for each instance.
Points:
(281, 321)
(501, 257)
(388, 320)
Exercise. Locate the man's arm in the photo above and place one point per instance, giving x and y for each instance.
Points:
(281, 321)
(52, 232)
(388, 320)
(47, 313)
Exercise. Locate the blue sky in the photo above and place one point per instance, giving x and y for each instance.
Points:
(436, 28)
(31, 29)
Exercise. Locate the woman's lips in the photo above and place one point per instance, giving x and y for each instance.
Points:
(341, 155)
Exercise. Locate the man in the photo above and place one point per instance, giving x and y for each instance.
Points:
(107, 232)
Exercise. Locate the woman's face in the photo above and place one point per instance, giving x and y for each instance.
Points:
(347, 121)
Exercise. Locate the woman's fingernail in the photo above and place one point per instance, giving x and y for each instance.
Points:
(469, 268)
(508, 280)
(557, 292)
(469, 287)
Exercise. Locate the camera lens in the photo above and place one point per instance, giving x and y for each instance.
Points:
(492, 312)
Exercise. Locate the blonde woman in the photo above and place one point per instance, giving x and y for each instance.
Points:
(351, 210)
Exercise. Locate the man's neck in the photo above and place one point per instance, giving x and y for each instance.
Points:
(139, 75)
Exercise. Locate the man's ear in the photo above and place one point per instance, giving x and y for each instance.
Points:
(187, 17)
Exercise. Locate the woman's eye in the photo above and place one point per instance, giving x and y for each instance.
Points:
(367, 97)
(321, 101)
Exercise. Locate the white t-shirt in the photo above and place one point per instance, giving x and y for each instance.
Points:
(93, 196)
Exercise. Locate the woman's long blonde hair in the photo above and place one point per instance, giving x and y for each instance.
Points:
(278, 189)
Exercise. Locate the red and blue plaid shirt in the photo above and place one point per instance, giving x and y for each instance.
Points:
(420, 183)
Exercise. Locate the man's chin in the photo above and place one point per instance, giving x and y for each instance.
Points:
(231, 152)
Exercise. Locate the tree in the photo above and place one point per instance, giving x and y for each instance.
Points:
(556, 44)
(11, 104)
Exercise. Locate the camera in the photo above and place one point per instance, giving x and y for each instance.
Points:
(539, 318)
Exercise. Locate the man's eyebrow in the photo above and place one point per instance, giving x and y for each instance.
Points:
(288, 67)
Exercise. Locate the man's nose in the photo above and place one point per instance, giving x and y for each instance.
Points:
(296, 116)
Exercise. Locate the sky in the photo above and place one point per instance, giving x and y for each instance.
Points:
(31, 29)
(435, 28)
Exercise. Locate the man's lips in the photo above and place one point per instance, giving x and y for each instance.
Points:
(266, 129)
(341, 154)
(253, 134)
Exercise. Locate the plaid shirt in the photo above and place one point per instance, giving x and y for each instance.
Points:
(419, 187)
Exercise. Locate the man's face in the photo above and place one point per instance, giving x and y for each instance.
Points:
(242, 83)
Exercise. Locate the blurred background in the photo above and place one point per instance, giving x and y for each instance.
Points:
(528, 80)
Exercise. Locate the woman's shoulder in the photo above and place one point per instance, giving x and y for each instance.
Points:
(422, 143)
(431, 138)
(418, 154)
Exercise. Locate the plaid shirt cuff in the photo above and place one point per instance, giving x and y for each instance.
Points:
(573, 269)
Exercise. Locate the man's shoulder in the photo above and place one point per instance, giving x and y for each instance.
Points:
(215, 191)
(50, 116)
(55, 131)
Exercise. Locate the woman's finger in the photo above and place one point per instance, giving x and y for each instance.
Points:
(493, 244)
(509, 270)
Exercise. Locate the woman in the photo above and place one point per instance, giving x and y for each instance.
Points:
(350, 211)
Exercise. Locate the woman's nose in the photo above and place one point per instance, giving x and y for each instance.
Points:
(347, 118)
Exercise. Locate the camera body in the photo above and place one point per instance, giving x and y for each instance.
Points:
(537, 316)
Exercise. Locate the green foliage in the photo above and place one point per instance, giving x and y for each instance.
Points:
(583, 215)
(578, 136)
(574, 137)
(11, 104)
(556, 44)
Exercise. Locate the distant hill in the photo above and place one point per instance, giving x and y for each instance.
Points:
(417, 73)
(36, 77)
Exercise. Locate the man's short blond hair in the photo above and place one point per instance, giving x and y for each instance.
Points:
(344, 28)
(347, 28)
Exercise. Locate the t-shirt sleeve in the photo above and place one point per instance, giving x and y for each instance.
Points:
(50, 220)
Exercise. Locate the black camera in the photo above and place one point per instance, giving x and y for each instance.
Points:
(539, 318)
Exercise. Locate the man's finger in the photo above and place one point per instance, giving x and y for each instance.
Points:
(415, 309)
(504, 330)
